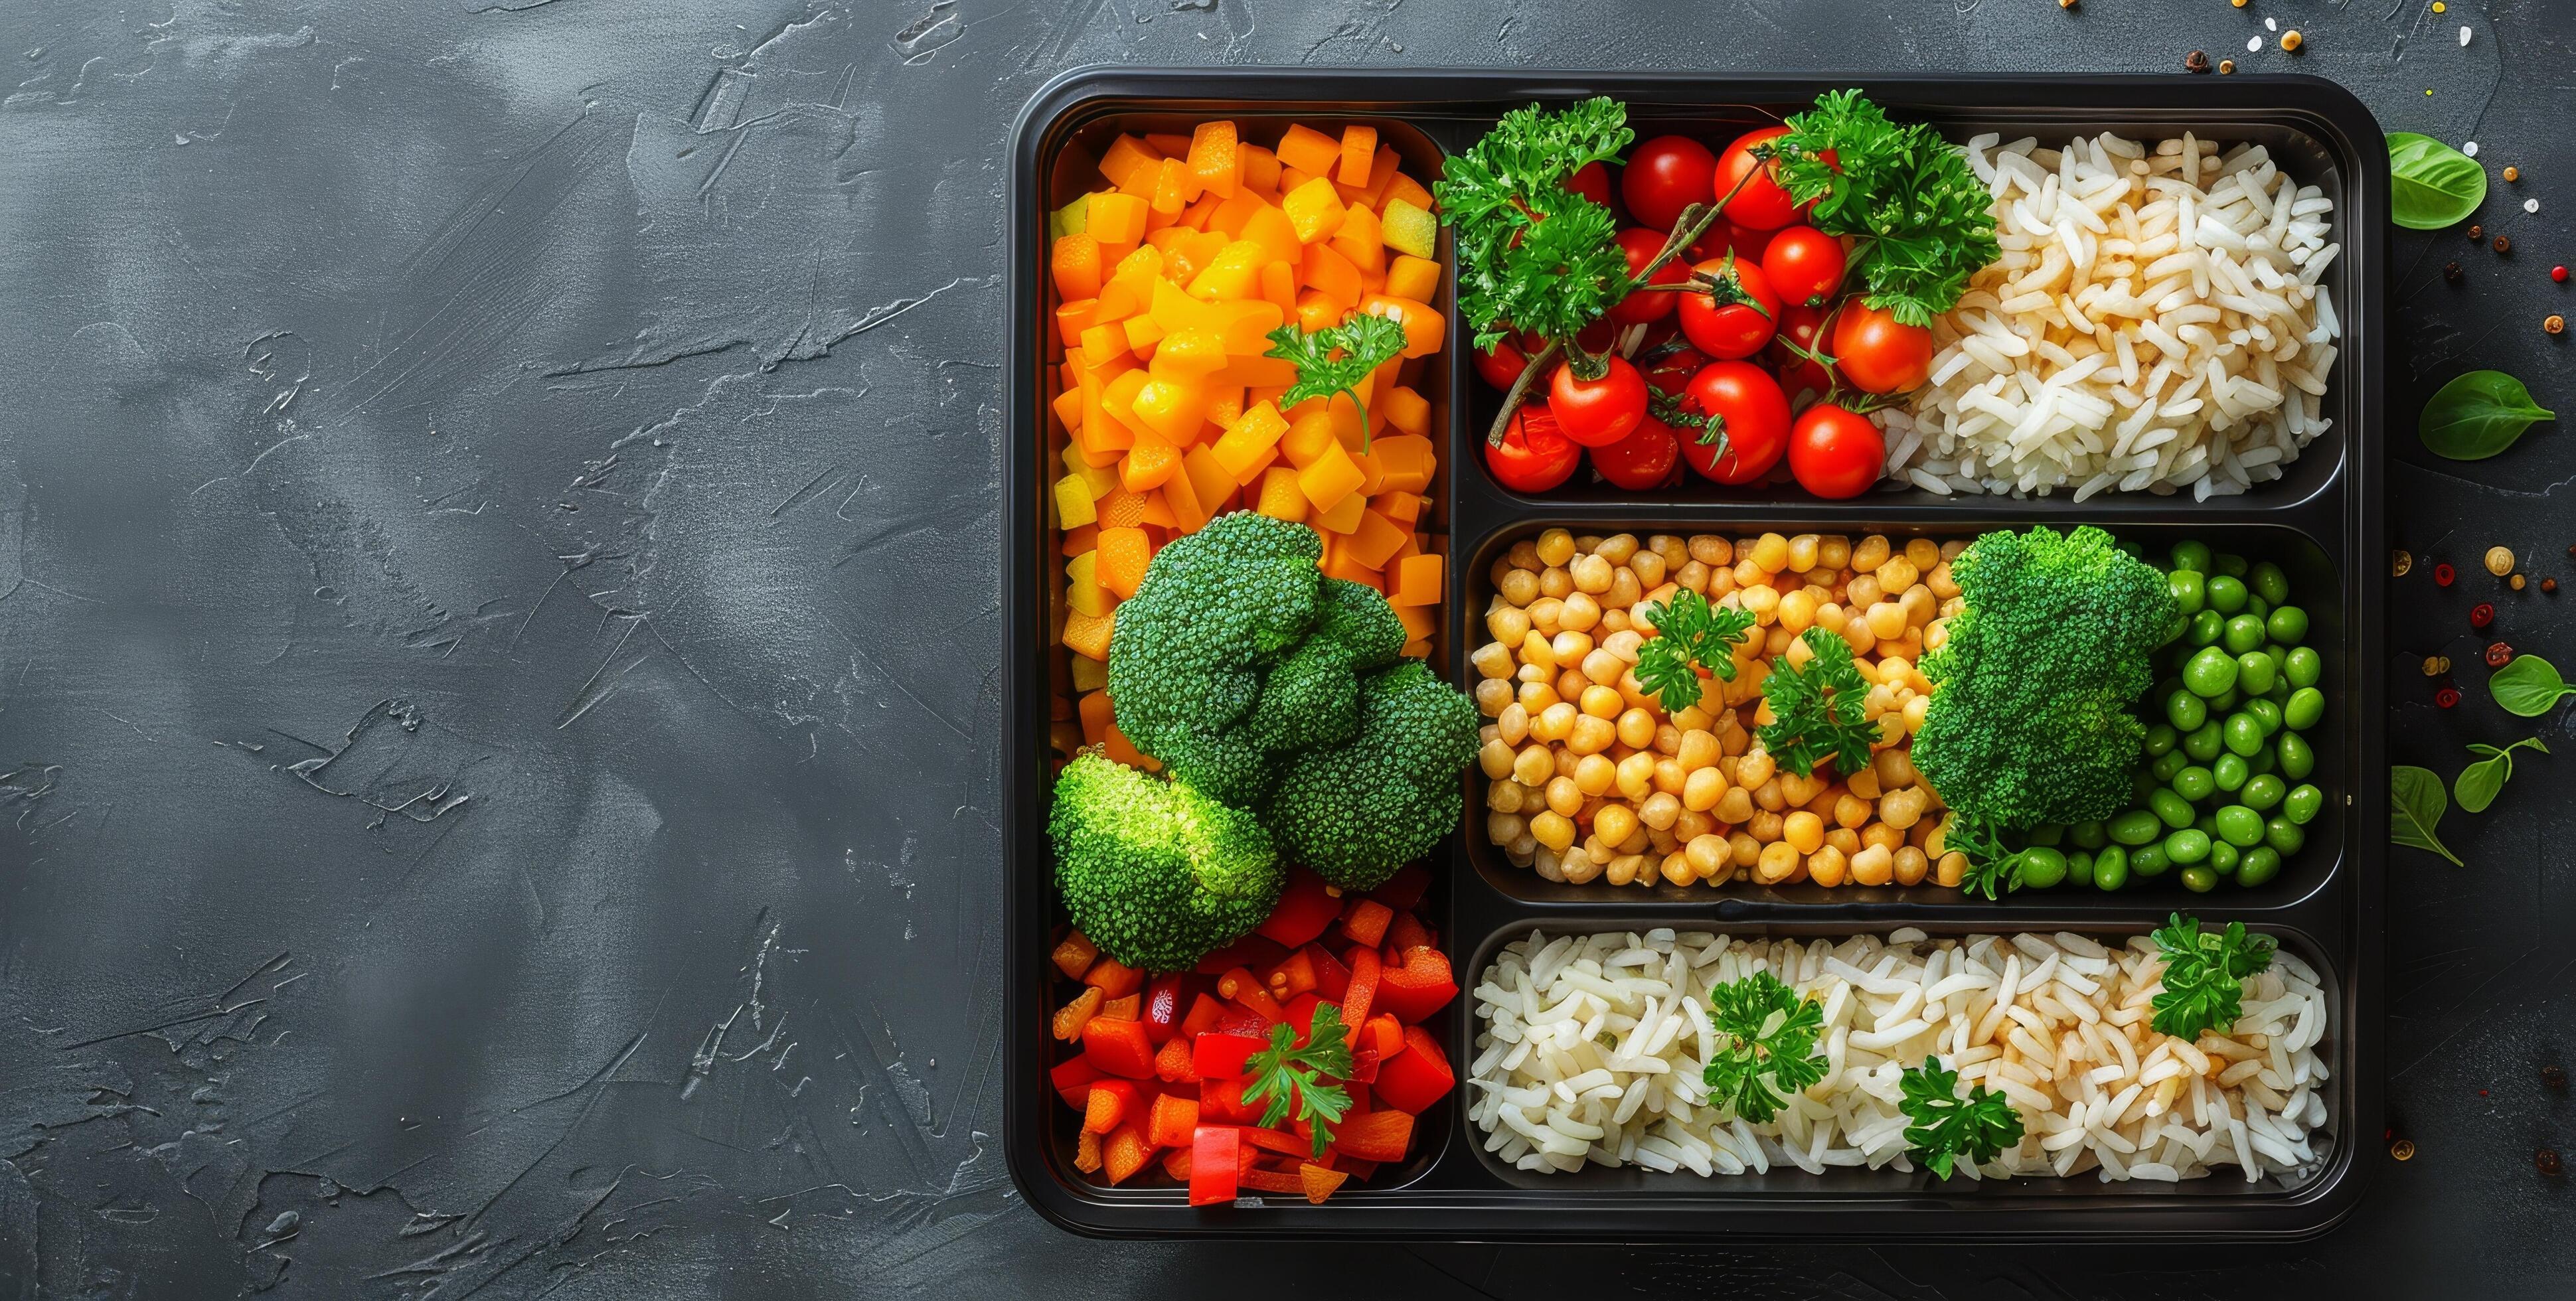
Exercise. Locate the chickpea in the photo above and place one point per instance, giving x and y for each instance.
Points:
(1771, 553)
(1941, 582)
(1614, 823)
(1753, 769)
(1534, 764)
(1778, 860)
(1660, 811)
(1649, 567)
(1591, 574)
(1493, 660)
(1743, 850)
(1554, 723)
(1524, 555)
(1703, 788)
(1882, 835)
(1851, 811)
(1844, 839)
(1696, 748)
(1505, 795)
(1797, 612)
(1553, 829)
(1897, 574)
(1554, 547)
(1902, 808)
(1693, 824)
(1564, 796)
(1614, 620)
(1595, 774)
(1767, 796)
(1600, 702)
(1953, 867)
(1504, 828)
(1637, 776)
(1826, 866)
(1570, 647)
(1591, 735)
(1513, 723)
(1763, 603)
(1555, 582)
(1923, 553)
(1914, 713)
(1895, 769)
(1537, 695)
(1579, 613)
(1875, 865)
(1495, 759)
(1707, 855)
(1493, 695)
(1693, 575)
(1571, 684)
(1870, 554)
(1765, 825)
(1833, 551)
(1509, 625)
(1910, 866)
(1579, 869)
(1919, 605)
(1636, 727)
(1710, 549)
(1803, 830)
(1623, 870)
(1669, 777)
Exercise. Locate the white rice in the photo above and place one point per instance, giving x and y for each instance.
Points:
(1590, 1049)
(2155, 323)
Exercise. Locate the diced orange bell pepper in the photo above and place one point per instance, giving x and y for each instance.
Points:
(1088, 635)
(1116, 218)
(1235, 271)
(1417, 581)
(1073, 954)
(1124, 555)
(1149, 465)
(1382, 1135)
(1172, 1063)
(1086, 1153)
(1260, 170)
(1171, 408)
(1330, 478)
(1177, 492)
(1373, 543)
(1401, 187)
(1120, 509)
(1210, 481)
(1308, 150)
(1171, 1119)
(1214, 158)
(1072, 318)
(1174, 187)
(1119, 1048)
(1113, 978)
(1331, 274)
(1124, 155)
(1124, 1153)
(1274, 232)
(1319, 1181)
(1073, 1016)
(1358, 151)
(1189, 354)
(1364, 920)
(1360, 239)
(1076, 263)
(1108, 1105)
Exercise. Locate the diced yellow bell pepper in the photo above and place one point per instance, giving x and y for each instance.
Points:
(1069, 219)
(1410, 230)
(1315, 211)
(1281, 498)
(1412, 277)
(1089, 674)
(1073, 502)
(1088, 635)
(1100, 479)
(1172, 408)
(1083, 592)
(1330, 479)
(1235, 272)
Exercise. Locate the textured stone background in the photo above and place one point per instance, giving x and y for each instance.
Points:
(499, 644)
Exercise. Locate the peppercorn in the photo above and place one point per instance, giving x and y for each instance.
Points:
(2476, 232)
(2400, 563)
(2555, 324)
(2481, 614)
(2502, 244)
(2403, 1149)
(2196, 61)
(2559, 274)
(2442, 574)
(2436, 665)
(2499, 561)
(2514, 582)
(2226, 66)
(2554, 1078)
(2548, 1162)
(2291, 40)
(2512, 174)
(2445, 697)
(2451, 272)
(2549, 585)
(2499, 655)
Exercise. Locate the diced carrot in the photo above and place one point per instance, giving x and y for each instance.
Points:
(1124, 1153)
(1175, 187)
(1076, 263)
(1117, 218)
(1169, 1122)
(1294, 975)
(1125, 154)
(1378, 1136)
(1359, 150)
(1172, 1061)
(1382, 169)
(1204, 1015)
(1195, 216)
(1365, 965)
(1332, 275)
(1176, 1163)
(1240, 986)
(1088, 635)
(1107, 1105)
(1307, 149)
(1364, 920)
(1423, 327)
(1272, 230)
(1073, 953)
(1086, 1153)
(1158, 515)
(1374, 542)
(1182, 495)
(1343, 517)
(1073, 1016)
(1124, 554)
(1148, 465)
(1281, 498)
(1271, 1140)
(1114, 978)
(1401, 508)
(1413, 277)
(1405, 188)
(1362, 240)
(1417, 620)
(1214, 157)
(1260, 170)
(1067, 406)
(1319, 1181)
(1123, 1008)
(1121, 509)
(1272, 1181)
(1315, 211)
(1074, 317)
(1078, 541)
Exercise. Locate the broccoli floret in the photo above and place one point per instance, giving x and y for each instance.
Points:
(1357, 812)
(1312, 698)
(1156, 872)
(1188, 651)
(2030, 722)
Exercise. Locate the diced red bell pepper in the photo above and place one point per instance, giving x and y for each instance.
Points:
(1221, 1056)
(1306, 906)
(1404, 889)
(1124, 1153)
(1115, 979)
(1418, 987)
(1247, 991)
(1072, 1079)
(1364, 1064)
(1110, 1104)
(1118, 1048)
(1365, 921)
(1249, 1024)
(1294, 975)
(1171, 1121)
(1332, 979)
(1361, 996)
(1214, 1153)
(1221, 1102)
(1407, 932)
(1074, 954)
(1254, 951)
(1172, 1062)
(1353, 1166)
(1380, 1135)
(1301, 1014)
(1205, 1012)
(1162, 1012)
(1419, 1076)
(1272, 1140)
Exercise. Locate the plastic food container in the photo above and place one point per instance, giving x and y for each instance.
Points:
(2322, 522)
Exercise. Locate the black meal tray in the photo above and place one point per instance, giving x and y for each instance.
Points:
(2323, 522)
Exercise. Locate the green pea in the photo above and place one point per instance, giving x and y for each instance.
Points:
(2287, 625)
(2268, 761)
(2303, 666)
(2243, 635)
(2255, 672)
(2244, 734)
(2297, 759)
(2170, 809)
(2204, 742)
(2256, 607)
(2209, 673)
(2302, 805)
(2222, 857)
(2266, 712)
(2230, 772)
(2111, 868)
(2187, 593)
(2230, 564)
(2264, 791)
(2188, 845)
(2206, 628)
(2048, 833)
(2186, 710)
(2225, 594)
(2240, 826)
(2088, 835)
(2079, 869)
(2199, 878)
(2224, 701)
(2162, 737)
(2269, 582)
(2148, 860)
(2284, 835)
(2259, 865)
(2277, 653)
(2193, 556)
(2042, 868)
(2135, 827)
(2192, 783)
(2306, 706)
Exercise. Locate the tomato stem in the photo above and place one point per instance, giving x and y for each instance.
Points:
(1519, 392)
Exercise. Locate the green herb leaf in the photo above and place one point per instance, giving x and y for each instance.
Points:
(1297, 1078)
(2480, 782)
(2529, 686)
(2416, 805)
(2430, 184)
(1690, 634)
(1533, 255)
(1337, 360)
(1993, 869)
(2478, 415)
(2204, 977)
(1767, 1046)
(1925, 221)
(1816, 708)
(1946, 1126)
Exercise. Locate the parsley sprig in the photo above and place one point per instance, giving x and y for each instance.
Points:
(1816, 709)
(2205, 975)
(1533, 255)
(1690, 634)
(1295, 1078)
(1926, 223)
(1336, 360)
(1946, 1126)
(1994, 868)
(1768, 1036)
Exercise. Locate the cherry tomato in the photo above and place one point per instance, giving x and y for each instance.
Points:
(1803, 326)
(1641, 245)
(1501, 364)
(1734, 320)
(1724, 237)
(1760, 203)
(1646, 458)
(1592, 181)
(1836, 452)
(1535, 455)
(1665, 175)
(1668, 364)
(1804, 266)
(1751, 411)
(1598, 412)
(1876, 353)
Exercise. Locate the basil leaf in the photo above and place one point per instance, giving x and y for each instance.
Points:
(2430, 184)
(2478, 415)
(2480, 782)
(2416, 806)
(2529, 687)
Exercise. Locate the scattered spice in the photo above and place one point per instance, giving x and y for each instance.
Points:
(2559, 274)
(2442, 573)
(2065, 4)
(2436, 665)
(2499, 561)
(2226, 66)
(2196, 61)
(2481, 614)
(2400, 563)
(2438, 6)
(2451, 272)
(2514, 582)
(2549, 585)
(2555, 324)
(2548, 1162)
(2445, 697)
(2554, 1078)
(2499, 655)
(2512, 174)
(2503, 244)
(2476, 232)
(2403, 1149)
(2238, 3)
(2291, 40)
